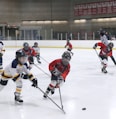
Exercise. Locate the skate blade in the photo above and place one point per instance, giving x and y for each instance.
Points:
(18, 103)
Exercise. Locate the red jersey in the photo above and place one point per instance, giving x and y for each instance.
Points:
(104, 50)
(69, 45)
(62, 68)
(30, 52)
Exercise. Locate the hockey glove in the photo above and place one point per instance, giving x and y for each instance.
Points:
(56, 72)
(35, 83)
(95, 46)
(60, 78)
(24, 76)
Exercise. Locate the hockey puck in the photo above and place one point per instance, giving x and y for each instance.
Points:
(84, 108)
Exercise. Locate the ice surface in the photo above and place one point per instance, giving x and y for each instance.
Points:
(85, 87)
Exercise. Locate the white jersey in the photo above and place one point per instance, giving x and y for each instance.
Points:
(104, 39)
(37, 49)
(14, 68)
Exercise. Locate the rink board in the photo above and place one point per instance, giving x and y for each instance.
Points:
(77, 44)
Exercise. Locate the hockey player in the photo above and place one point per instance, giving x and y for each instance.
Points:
(105, 51)
(68, 45)
(59, 69)
(2, 50)
(30, 52)
(17, 70)
(37, 50)
(104, 39)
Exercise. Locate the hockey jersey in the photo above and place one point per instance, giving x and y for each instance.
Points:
(59, 65)
(104, 49)
(37, 49)
(30, 52)
(69, 45)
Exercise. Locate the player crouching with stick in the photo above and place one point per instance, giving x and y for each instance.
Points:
(59, 69)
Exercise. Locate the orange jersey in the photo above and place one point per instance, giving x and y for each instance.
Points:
(62, 68)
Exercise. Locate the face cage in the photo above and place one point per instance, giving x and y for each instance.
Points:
(65, 61)
(23, 60)
(67, 58)
(36, 45)
(26, 47)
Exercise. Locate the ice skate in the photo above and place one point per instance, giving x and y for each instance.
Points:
(18, 99)
(52, 91)
(39, 61)
(104, 70)
(46, 94)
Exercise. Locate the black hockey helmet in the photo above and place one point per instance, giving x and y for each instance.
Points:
(102, 32)
(66, 57)
(21, 57)
(36, 44)
(26, 45)
(20, 53)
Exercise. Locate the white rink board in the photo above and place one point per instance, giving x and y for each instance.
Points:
(54, 43)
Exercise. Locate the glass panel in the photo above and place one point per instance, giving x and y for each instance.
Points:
(30, 34)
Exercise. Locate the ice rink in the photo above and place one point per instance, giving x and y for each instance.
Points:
(85, 87)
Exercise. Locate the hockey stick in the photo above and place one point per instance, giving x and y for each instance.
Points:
(58, 83)
(60, 98)
(98, 55)
(114, 61)
(44, 60)
(41, 70)
(47, 95)
(52, 100)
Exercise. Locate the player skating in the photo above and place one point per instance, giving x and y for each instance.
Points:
(30, 52)
(17, 70)
(69, 46)
(37, 50)
(59, 69)
(105, 51)
(104, 39)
